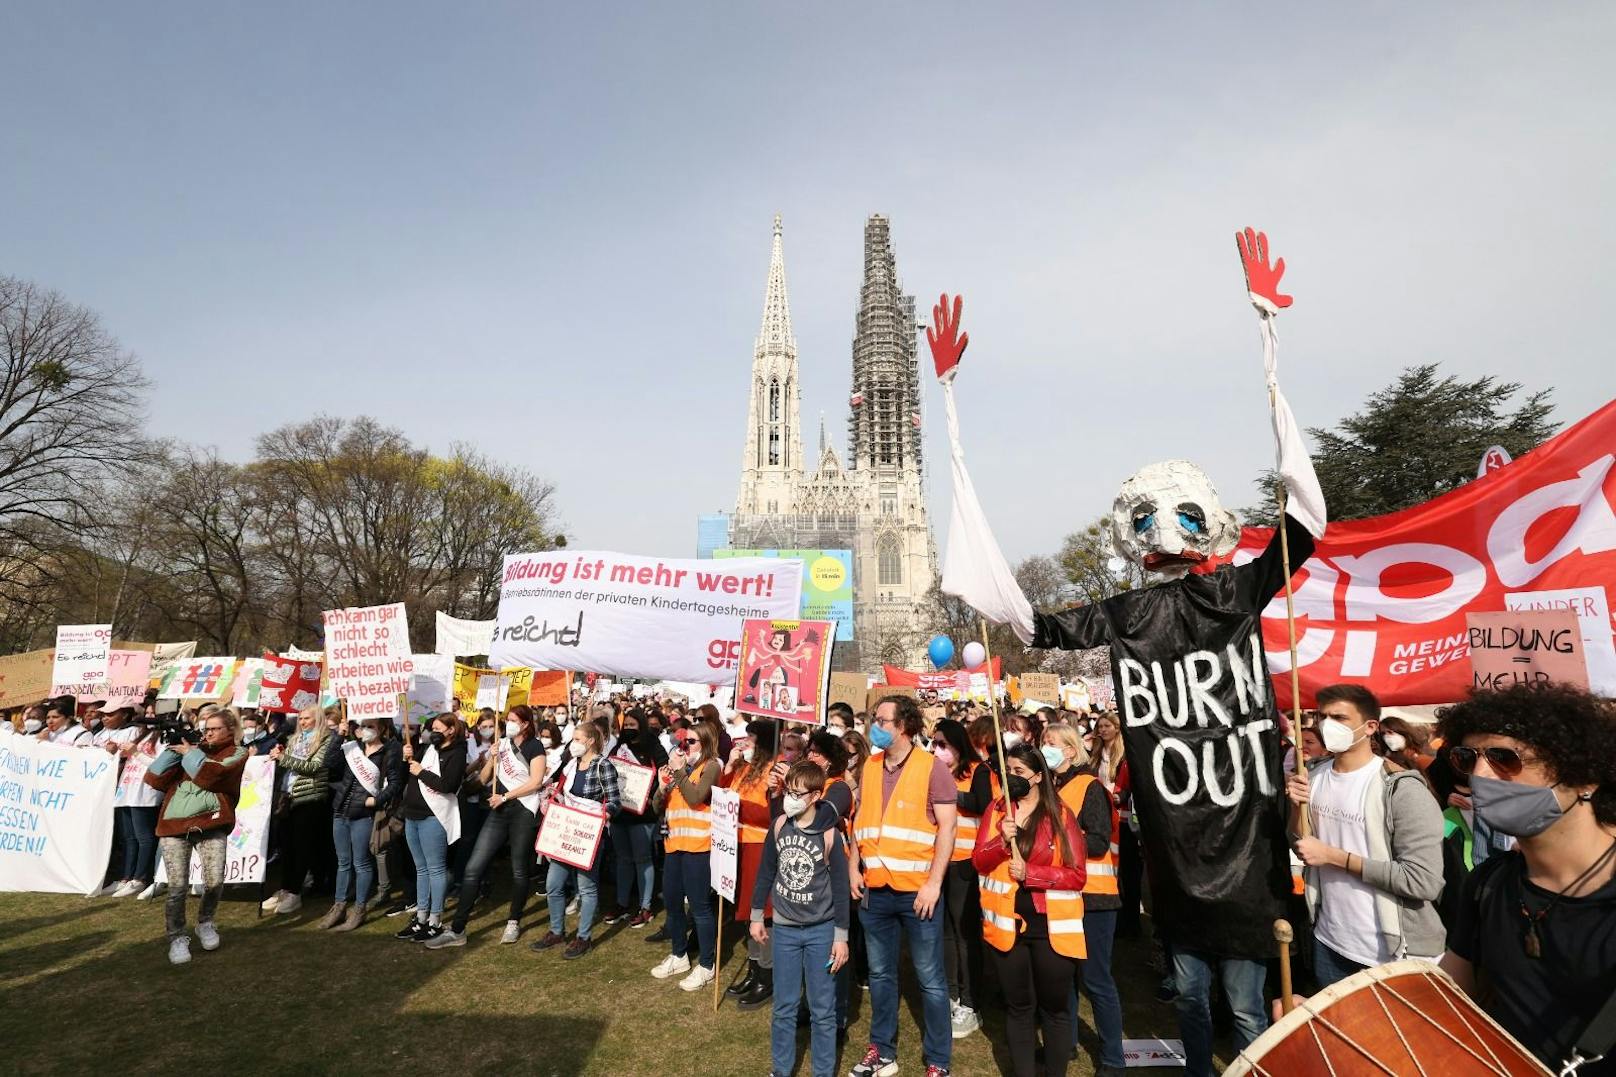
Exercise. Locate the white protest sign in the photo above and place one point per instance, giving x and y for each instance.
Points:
(196, 678)
(368, 658)
(128, 674)
(249, 682)
(571, 835)
(55, 816)
(634, 782)
(431, 686)
(81, 659)
(247, 849)
(630, 616)
(459, 637)
(726, 827)
(1150, 1053)
(491, 691)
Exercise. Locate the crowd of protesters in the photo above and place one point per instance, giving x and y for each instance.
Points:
(907, 844)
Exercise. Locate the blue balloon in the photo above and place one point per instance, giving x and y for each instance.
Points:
(941, 650)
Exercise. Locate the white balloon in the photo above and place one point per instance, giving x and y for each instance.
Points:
(975, 654)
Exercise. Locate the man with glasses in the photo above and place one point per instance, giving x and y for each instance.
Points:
(1537, 925)
(904, 827)
(200, 781)
(1374, 856)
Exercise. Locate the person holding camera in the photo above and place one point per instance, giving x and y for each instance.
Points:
(199, 774)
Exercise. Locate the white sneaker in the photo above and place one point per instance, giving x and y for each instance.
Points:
(129, 888)
(148, 893)
(572, 907)
(672, 965)
(513, 931)
(269, 903)
(965, 1021)
(208, 936)
(110, 889)
(699, 977)
(179, 950)
(290, 903)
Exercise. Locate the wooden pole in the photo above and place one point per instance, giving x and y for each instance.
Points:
(998, 737)
(1304, 826)
(1283, 936)
(718, 956)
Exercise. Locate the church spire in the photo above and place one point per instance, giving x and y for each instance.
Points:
(775, 336)
(772, 466)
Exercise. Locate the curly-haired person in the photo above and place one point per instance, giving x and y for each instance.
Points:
(1534, 937)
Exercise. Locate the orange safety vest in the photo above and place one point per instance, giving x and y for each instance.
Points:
(753, 792)
(896, 840)
(1001, 925)
(1102, 872)
(965, 836)
(690, 829)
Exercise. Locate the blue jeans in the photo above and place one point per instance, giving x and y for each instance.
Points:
(886, 914)
(429, 848)
(631, 841)
(555, 887)
(800, 954)
(137, 827)
(1099, 930)
(355, 863)
(1242, 982)
(1330, 967)
(688, 875)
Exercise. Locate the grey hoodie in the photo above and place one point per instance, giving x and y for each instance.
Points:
(807, 884)
(1404, 864)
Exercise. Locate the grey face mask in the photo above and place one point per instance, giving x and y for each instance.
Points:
(1515, 808)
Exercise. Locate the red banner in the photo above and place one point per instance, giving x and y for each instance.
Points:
(940, 679)
(1382, 602)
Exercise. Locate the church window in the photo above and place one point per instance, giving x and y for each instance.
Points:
(774, 448)
(774, 401)
(891, 564)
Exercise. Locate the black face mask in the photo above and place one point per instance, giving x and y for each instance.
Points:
(631, 732)
(1018, 787)
(435, 739)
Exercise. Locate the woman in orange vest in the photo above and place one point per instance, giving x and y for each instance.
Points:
(685, 787)
(1031, 872)
(754, 771)
(962, 919)
(1087, 798)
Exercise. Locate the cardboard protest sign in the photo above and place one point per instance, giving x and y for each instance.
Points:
(726, 841)
(367, 652)
(785, 669)
(55, 816)
(1526, 647)
(128, 673)
(288, 684)
(247, 849)
(848, 688)
(197, 678)
(634, 783)
(630, 616)
(81, 659)
(1044, 687)
(26, 678)
(571, 835)
(878, 692)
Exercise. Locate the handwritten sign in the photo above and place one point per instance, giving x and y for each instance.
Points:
(571, 835)
(1526, 647)
(634, 783)
(431, 687)
(246, 851)
(55, 816)
(726, 838)
(367, 654)
(127, 675)
(849, 688)
(26, 678)
(1043, 687)
(81, 659)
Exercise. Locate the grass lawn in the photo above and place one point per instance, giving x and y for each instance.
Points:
(88, 989)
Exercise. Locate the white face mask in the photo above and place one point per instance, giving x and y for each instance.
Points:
(249, 732)
(32, 725)
(1011, 739)
(1336, 735)
(1394, 742)
(837, 730)
(512, 728)
(576, 748)
(367, 734)
(794, 805)
(748, 754)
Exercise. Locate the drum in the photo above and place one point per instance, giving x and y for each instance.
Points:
(1405, 1019)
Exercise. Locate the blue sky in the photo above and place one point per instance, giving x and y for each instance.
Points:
(543, 228)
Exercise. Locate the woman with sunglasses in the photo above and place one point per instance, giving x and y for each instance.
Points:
(1537, 924)
(684, 791)
(1374, 854)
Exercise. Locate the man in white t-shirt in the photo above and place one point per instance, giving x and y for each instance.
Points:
(1374, 856)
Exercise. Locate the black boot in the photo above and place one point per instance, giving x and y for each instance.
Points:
(746, 983)
(760, 994)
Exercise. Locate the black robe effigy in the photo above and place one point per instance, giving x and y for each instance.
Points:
(1203, 745)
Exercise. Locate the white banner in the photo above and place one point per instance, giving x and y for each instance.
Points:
(55, 816)
(367, 651)
(726, 835)
(247, 850)
(457, 637)
(81, 659)
(630, 616)
(197, 678)
(166, 655)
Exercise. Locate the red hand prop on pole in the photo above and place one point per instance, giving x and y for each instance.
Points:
(947, 342)
(1262, 280)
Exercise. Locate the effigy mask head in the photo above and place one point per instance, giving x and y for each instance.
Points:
(1167, 519)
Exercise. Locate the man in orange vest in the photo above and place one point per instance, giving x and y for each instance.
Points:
(904, 828)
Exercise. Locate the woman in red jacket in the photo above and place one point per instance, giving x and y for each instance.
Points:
(1030, 872)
